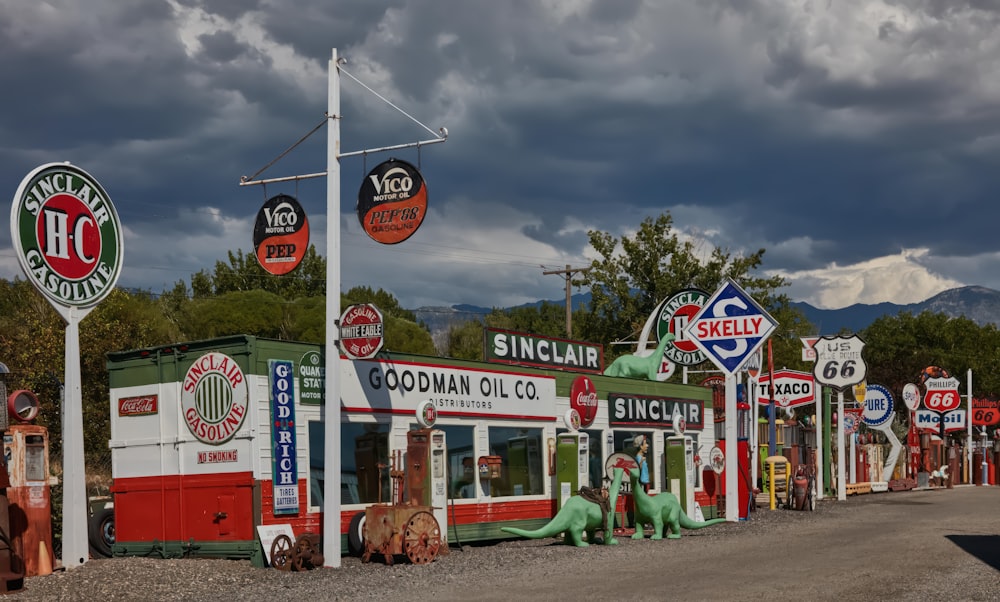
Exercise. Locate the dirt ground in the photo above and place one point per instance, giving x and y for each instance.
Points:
(916, 545)
(941, 544)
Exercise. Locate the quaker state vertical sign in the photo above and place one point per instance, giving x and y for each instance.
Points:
(67, 235)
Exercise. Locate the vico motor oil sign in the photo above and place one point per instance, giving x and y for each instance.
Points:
(392, 202)
(281, 235)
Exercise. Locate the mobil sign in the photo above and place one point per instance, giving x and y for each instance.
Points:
(790, 388)
(929, 421)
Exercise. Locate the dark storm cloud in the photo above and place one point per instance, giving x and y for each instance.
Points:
(826, 133)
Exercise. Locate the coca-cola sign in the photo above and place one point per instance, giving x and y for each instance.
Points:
(583, 399)
(144, 405)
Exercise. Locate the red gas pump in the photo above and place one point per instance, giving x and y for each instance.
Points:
(743, 484)
(26, 455)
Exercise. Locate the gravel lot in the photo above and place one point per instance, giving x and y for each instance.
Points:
(917, 545)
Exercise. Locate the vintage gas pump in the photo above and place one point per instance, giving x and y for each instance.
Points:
(679, 464)
(572, 463)
(426, 475)
(744, 422)
(26, 455)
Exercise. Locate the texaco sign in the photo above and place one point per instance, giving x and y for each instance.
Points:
(67, 235)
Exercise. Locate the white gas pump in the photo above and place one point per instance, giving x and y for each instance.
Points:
(439, 482)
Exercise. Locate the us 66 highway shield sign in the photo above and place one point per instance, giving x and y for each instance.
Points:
(838, 361)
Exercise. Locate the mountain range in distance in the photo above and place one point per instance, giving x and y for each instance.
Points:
(977, 303)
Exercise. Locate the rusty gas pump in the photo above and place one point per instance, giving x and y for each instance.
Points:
(23, 406)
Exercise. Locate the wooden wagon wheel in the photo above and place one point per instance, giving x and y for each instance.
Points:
(422, 538)
(281, 553)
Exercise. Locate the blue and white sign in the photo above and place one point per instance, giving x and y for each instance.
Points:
(285, 479)
(878, 406)
(929, 420)
(730, 327)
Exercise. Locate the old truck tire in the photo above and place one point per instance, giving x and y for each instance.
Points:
(102, 531)
(355, 535)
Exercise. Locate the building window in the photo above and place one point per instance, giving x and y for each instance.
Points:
(521, 451)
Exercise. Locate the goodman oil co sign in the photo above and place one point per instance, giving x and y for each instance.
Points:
(67, 235)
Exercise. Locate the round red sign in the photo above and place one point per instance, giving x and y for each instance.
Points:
(583, 399)
(361, 331)
(281, 235)
(67, 235)
(392, 202)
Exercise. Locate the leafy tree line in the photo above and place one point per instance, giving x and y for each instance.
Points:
(631, 275)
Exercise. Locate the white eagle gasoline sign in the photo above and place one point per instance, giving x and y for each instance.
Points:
(214, 398)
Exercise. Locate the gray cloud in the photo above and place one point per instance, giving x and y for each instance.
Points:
(830, 134)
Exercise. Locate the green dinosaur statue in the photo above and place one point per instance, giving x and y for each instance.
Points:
(634, 366)
(661, 510)
(578, 516)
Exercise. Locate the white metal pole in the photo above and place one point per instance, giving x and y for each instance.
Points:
(331, 456)
(732, 462)
(841, 483)
(754, 428)
(75, 548)
(968, 417)
(818, 423)
(852, 443)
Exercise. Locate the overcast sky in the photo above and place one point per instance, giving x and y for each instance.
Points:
(856, 141)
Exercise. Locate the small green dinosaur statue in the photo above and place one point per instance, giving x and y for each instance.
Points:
(634, 366)
(578, 516)
(662, 510)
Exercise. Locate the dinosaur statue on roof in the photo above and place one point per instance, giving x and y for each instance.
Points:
(635, 366)
(578, 516)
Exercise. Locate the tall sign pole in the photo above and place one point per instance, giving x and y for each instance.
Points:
(68, 240)
(331, 388)
(729, 329)
(839, 365)
(331, 408)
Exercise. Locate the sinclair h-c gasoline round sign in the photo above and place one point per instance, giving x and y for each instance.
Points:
(214, 398)
(392, 202)
(281, 235)
(67, 235)
(674, 315)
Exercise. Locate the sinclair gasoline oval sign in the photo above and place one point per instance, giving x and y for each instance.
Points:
(214, 398)
(675, 314)
(67, 235)
(281, 235)
(392, 202)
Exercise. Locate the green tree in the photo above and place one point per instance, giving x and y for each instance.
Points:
(634, 273)
(383, 300)
(465, 341)
(898, 348)
(255, 312)
(244, 273)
